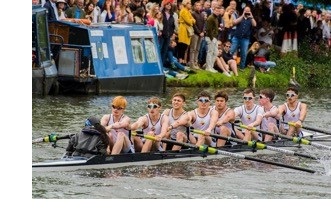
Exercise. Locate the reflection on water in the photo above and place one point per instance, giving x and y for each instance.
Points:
(223, 178)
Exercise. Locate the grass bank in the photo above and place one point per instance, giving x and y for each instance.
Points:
(312, 69)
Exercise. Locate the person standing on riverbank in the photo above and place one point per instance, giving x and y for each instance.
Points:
(292, 111)
(241, 37)
(179, 122)
(204, 118)
(226, 117)
(250, 115)
(117, 126)
(153, 123)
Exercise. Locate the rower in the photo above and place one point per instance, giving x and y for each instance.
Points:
(226, 117)
(153, 123)
(91, 140)
(178, 129)
(250, 115)
(204, 118)
(117, 125)
(292, 111)
(270, 120)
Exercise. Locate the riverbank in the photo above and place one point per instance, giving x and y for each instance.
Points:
(314, 71)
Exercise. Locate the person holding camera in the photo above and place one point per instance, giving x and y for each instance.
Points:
(241, 37)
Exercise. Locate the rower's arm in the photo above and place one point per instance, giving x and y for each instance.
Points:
(164, 128)
(303, 112)
(213, 121)
(229, 117)
(138, 124)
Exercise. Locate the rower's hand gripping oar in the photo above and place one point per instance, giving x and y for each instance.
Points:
(51, 138)
(211, 150)
(255, 145)
(298, 140)
(309, 128)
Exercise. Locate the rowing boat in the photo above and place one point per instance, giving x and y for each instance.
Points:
(129, 158)
(189, 152)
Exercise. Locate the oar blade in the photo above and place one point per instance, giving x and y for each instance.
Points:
(38, 140)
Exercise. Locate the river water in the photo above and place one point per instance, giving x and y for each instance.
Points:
(218, 178)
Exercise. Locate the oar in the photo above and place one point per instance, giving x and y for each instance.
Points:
(309, 128)
(212, 150)
(51, 138)
(255, 144)
(298, 140)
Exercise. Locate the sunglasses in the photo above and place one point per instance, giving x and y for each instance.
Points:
(290, 95)
(117, 108)
(153, 106)
(204, 100)
(247, 98)
(226, 46)
(262, 97)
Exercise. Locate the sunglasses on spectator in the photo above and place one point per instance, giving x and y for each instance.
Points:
(289, 95)
(247, 98)
(262, 97)
(117, 108)
(153, 106)
(204, 100)
(227, 45)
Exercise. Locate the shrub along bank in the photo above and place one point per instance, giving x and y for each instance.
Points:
(312, 69)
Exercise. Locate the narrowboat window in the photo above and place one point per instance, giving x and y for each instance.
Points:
(150, 51)
(137, 51)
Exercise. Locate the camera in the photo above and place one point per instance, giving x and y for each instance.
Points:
(247, 14)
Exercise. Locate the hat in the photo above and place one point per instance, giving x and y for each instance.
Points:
(165, 2)
(91, 121)
(61, 1)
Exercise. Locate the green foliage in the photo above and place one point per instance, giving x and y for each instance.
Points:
(312, 69)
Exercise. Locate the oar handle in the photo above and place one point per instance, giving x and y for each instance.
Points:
(310, 128)
(298, 140)
(256, 145)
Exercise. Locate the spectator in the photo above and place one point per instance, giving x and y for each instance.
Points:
(89, 8)
(77, 10)
(288, 22)
(262, 58)
(241, 37)
(229, 59)
(61, 6)
(168, 29)
(107, 12)
(220, 64)
(198, 35)
(138, 15)
(96, 11)
(186, 21)
(52, 12)
(211, 39)
(228, 23)
(265, 33)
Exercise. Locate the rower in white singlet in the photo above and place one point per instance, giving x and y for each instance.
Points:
(292, 111)
(250, 115)
(204, 118)
(154, 124)
(270, 120)
(226, 117)
(117, 125)
(178, 129)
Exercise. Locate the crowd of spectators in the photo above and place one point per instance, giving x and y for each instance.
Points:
(216, 36)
